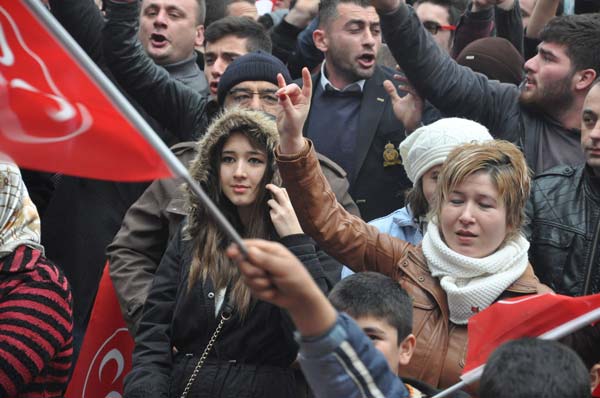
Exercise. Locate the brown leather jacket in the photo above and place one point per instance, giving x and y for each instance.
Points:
(441, 345)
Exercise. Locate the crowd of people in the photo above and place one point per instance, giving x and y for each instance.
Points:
(394, 168)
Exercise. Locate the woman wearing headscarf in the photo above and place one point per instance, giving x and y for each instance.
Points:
(36, 322)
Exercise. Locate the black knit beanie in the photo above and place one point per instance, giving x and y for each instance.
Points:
(256, 66)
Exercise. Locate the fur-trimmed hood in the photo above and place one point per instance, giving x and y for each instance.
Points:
(256, 124)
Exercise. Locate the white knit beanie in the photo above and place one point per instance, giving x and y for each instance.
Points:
(429, 145)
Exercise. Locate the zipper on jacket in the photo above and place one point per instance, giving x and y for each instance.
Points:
(588, 277)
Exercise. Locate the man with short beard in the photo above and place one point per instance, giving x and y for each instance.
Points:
(351, 119)
(563, 215)
(542, 116)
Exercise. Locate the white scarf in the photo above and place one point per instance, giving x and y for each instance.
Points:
(19, 220)
(473, 284)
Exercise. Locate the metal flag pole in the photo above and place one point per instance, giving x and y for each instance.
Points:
(133, 116)
(553, 334)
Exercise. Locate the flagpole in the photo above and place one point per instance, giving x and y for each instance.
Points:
(553, 334)
(133, 116)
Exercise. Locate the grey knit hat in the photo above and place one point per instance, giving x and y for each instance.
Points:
(256, 66)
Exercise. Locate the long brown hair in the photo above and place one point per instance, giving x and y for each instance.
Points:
(209, 242)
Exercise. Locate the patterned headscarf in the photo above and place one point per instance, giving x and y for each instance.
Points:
(19, 220)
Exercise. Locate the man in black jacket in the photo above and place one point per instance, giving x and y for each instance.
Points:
(564, 215)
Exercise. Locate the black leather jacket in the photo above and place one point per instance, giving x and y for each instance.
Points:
(563, 215)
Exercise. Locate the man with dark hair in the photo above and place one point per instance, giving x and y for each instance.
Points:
(527, 368)
(542, 116)
(563, 215)
(227, 39)
(351, 118)
(439, 17)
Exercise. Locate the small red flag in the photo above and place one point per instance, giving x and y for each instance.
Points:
(105, 357)
(53, 117)
(526, 316)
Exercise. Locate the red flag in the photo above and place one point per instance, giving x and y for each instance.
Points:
(105, 357)
(53, 117)
(526, 316)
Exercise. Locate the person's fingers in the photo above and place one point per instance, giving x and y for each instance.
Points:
(251, 271)
(306, 83)
(281, 81)
(277, 193)
(291, 90)
(405, 85)
(391, 90)
(266, 295)
(286, 194)
(234, 253)
(401, 79)
(258, 283)
(274, 205)
(286, 103)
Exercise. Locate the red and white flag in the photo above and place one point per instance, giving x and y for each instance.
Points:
(527, 316)
(54, 117)
(105, 357)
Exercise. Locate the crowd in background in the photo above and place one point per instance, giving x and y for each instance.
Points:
(414, 161)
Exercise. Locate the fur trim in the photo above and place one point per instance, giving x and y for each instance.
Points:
(256, 124)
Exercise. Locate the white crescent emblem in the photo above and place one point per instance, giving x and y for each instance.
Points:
(64, 111)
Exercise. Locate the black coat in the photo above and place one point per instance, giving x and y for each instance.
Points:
(563, 227)
(253, 354)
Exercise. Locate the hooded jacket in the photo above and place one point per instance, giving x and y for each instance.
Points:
(153, 220)
(259, 126)
(250, 355)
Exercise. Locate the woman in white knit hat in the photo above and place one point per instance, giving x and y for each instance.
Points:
(423, 153)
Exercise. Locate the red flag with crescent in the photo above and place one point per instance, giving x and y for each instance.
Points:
(105, 356)
(53, 117)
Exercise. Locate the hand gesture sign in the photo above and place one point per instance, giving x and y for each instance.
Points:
(407, 109)
(295, 104)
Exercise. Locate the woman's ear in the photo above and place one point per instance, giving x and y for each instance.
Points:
(407, 348)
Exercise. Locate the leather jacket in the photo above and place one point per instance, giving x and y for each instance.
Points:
(441, 345)
(563, 215)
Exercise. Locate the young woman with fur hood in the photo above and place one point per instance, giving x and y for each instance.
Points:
(198, 290)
